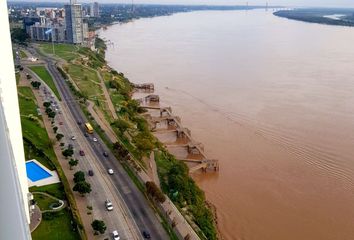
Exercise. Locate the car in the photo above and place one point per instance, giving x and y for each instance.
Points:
(82, 153)
(146, 235)
(110, 171)
(90, 173)
(105, 154)
(60, 123)
(86, 134)
(79, 122)
(73, 138)
(109, 205)
(94, 139)
(115, 235)
(70, 146)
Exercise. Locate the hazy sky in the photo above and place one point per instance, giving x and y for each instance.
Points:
(318, 3)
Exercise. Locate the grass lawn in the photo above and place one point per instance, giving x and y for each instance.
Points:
(32, 128)
(56, 190)
(64, 51)
(27, 100)
(58, 228)
(42, 72)
(23, 54)
(43, 201)
(17, 78)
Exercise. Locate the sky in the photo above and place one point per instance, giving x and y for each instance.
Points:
(295, 3)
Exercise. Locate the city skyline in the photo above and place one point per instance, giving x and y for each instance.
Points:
(292, 3)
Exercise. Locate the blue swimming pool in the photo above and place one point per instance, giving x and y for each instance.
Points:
(36, 172)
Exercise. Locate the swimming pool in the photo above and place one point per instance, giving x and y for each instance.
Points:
(36, 172)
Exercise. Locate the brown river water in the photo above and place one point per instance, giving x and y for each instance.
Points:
(272, 99)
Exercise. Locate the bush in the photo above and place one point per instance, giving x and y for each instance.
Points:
(155, 192)
(99, 226)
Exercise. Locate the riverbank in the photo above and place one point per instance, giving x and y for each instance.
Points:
(337, 17)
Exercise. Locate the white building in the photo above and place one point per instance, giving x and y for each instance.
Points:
(14, 208)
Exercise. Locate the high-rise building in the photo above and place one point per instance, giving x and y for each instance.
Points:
(14, 197)
(94, 10)
(38, 32)
(73, 21)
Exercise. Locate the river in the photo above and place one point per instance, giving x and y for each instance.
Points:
(272, 99)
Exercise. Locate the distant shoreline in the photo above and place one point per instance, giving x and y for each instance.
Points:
(320, 16)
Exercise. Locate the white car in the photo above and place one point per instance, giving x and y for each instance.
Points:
(73, 138)
(94, 139)
(110, 171)
(109, 205)
(115, 235)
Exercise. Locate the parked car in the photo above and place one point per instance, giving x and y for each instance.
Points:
(146, 235)
(105, 154)
(90, 173)
(115, 235)
(60, 123)
(79, 122)
(70, 146)
(109, 205)
(82, 153)
(73, 138)
(86, 134)
(110, 171)
(94, 139)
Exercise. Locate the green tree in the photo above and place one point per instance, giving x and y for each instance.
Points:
(99, 226)
(59, 136)
(82, 188)
(55, 129)
(68, 152)
(79, 176)
(36, 84)
(46, 104)
(73, 163)
(19, 35)
(121, 124)
(51, 114)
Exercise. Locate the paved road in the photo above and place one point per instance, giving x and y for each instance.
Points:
(135, 201)
(118, 219)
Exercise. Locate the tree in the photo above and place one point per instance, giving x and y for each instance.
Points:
(99, 226)
(55, 129)
(36, 84)
(143, 142)
(121, 124)
(51, 114)
(19, 35)
(155, 192)
(73, 163)
(46, 104)
(59, 136)
(68, 152)
(82, 187)
(79, 176)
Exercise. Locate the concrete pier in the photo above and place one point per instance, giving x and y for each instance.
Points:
(173, 125)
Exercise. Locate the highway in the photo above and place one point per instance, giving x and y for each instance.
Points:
(137, 205)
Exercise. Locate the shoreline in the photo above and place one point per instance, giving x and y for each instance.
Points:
(209, 205)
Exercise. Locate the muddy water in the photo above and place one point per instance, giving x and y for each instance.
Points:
(272, 99)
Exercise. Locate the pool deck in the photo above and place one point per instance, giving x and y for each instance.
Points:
(46, 181)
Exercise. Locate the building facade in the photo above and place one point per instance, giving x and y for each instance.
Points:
(38, 32)
(74, 23)
(14, 197)
(94, 10)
